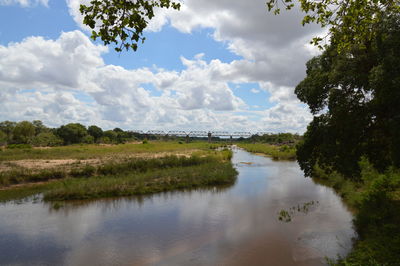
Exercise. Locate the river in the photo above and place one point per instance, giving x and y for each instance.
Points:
(236, 225)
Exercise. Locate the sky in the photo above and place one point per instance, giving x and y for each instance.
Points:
(214, 65)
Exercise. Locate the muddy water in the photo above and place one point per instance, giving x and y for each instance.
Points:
(237, 225)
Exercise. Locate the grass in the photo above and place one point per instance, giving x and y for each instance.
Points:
(276, 152)
(22, 192)
(127, 184)
(131, 176)
(375, 200)
(90, 151)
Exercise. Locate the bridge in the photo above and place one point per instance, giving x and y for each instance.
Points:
(200, 134)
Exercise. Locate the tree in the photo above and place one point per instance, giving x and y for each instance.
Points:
(72, 133)
(349, 21)
(121, 22)
(39, 126)
(23, 132)
(111, 135)
(354, 98)
(3, 138)
(8, 127)
(95, 132)
(45, 139)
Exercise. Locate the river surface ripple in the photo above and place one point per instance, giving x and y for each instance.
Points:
(236, 225)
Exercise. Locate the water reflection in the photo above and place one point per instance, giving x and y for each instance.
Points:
(233, 225)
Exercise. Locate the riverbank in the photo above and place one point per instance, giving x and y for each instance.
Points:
(283, 152)
(375, 201)
(121, 176)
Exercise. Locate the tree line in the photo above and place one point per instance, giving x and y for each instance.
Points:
(35, 133)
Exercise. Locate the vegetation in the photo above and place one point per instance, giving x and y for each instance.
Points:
(95, 151)
(284, 152)
(206, 173)
(37, 134)
(276, 139)
(23, 192)
(121, 175)
(353, 142)
(122, 22)
(354, 98)
(375, 198)
(350, 22)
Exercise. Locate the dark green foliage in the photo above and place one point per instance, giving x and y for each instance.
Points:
(39, 127)
(121, 22)
(7, 127)
(46, 139)
(357, 93)
(23, 132)
(96, 132)
(87, 139)
(375, 198)
(72, 133)
(3, 138)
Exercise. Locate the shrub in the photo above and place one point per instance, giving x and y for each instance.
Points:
(19, 146)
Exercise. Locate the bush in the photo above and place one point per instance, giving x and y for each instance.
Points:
(19, 146)
(88, 139)
(46, 139)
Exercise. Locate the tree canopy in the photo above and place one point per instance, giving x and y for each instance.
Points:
(121, 22)
(23, 132)
(355, 20)
(354, 97)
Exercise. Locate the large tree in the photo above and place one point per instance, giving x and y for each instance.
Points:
(354, 96)
(96, 132)
(72, 133)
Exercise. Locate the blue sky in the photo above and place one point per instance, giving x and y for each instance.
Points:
(209, 66)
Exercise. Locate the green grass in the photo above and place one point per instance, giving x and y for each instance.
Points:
(20, 175)
(276, 152)
(131, 176)
(90, 151)
(375, 200)
(127, 184)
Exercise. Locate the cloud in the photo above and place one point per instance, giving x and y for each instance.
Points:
(24, 3)
(39, 75)
(65, 80)
(40, 63)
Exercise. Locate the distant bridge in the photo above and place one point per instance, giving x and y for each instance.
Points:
(200, 134)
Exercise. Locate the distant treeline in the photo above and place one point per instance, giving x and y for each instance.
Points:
(35, 133)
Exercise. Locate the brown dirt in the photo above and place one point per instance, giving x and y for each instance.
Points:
(40, 164)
